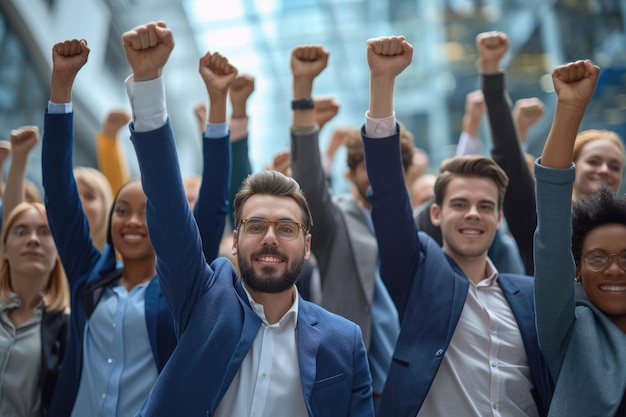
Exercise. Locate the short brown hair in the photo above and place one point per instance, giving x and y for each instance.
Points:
(271, 183)
(470, 166)
(57, 295)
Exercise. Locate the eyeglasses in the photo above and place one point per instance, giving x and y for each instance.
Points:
(598, 260)
(284, 229)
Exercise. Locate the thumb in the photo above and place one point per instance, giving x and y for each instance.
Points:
(164, 33)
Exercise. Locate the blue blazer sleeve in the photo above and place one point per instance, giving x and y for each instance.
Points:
(212, 206)
(181, 266)
(398, 241)
(68, 222)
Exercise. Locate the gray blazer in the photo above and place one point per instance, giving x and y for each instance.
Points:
(343, 244)
(585, 351)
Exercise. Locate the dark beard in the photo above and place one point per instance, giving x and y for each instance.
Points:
(268, 282)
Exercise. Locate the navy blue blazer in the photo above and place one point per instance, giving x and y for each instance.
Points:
(429, 290)
(215, 323)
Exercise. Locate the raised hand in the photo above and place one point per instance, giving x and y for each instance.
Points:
(147, 48)
(217, 73)
(240, 90)
(200, 112)
(282, 162)
(114, 121)
(474, 111)
(527, 112)
(67, 59)
(388, 56)
(491, 48)
(324, 109)
(308, 61)
(23, 140)
(5, 150)
(575, 83)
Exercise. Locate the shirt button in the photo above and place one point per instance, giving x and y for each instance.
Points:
(113, 325)
(493, 332)
(439, 353)
(494, 406)
(494, 364)
(109, 360)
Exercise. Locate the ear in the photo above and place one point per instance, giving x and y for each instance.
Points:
(579, 276)
(234, 248)
(307, 246)
(435, 215)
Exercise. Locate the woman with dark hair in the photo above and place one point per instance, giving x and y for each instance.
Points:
(121, 330)
(583, 340)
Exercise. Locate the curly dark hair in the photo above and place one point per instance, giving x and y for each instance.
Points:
(601, 207)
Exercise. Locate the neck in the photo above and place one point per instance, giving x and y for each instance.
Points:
(360, 198)
(28, 289)
(474, 267)
(274, 305)
(137, 272)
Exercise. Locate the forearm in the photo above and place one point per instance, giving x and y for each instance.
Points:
(14, 190)
(302, 89)
(112, 161)
(217, 106)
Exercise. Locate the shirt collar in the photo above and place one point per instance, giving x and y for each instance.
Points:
(290, 315)
(491, 275)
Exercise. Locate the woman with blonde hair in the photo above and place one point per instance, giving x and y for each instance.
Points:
(599, 159)
(96, 198)
(34, 307)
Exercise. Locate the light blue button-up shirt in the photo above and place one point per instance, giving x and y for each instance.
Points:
(118, 365)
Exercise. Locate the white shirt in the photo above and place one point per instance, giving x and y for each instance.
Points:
(484, 371)
(267, 383)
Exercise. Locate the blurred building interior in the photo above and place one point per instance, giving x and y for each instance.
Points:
(257, 37)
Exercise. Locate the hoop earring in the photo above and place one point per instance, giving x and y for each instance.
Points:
(578, 278)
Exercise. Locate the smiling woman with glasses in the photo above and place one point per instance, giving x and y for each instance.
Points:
(582, 340)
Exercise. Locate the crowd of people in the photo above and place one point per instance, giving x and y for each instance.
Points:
(496, 287)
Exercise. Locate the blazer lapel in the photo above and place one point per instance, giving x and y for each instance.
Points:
(309, 338)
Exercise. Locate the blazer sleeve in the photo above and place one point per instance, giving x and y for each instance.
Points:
(396, 233)
(174, 233)
(307, 170)
(554, 264)
(211, 208)
(68, 222)
(240, 169)
(519, 200)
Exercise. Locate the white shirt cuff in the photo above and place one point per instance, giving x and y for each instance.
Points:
(147, 101)
(468, 145)
(380, 128)
(59, 108)
(215, 130)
